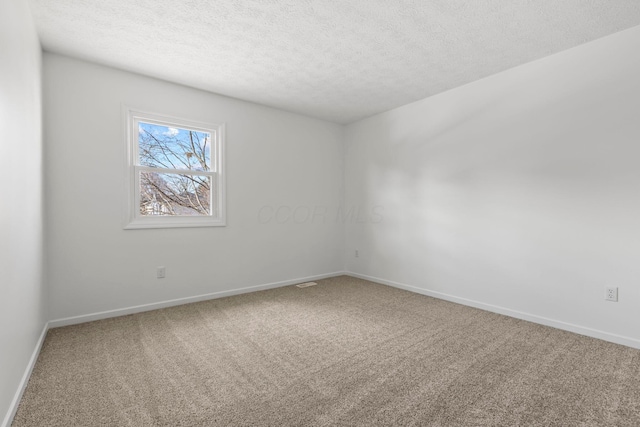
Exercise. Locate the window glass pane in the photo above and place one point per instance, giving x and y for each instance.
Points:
(175, 148)
(170, 194)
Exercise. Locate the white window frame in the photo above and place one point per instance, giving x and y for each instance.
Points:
(133, 218)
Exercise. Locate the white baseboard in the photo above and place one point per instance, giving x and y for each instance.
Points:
(13, 407)
(179, 301)
(594, 333)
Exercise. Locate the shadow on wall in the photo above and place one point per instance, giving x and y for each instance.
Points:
(501, 193)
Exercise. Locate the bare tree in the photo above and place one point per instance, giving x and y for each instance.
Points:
(174, 193)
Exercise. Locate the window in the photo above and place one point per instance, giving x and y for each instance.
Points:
(175, 175)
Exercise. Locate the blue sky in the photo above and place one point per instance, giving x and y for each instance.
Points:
(172, 147)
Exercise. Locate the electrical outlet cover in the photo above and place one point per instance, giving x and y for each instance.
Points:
(611, 294)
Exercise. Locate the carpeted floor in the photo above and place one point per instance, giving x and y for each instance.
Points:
(344, 353)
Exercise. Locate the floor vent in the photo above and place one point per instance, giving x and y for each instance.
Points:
(306, 285)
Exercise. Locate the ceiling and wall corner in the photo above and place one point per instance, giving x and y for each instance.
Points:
(486, 35)
(335, 60)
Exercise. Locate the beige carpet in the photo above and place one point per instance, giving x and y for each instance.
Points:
(344, 353)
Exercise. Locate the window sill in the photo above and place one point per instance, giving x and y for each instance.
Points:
(174, 222)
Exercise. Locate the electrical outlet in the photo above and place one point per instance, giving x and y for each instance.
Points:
(160, 272)
(611, 294)
(357, 254)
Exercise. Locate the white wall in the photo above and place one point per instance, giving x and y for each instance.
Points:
(274, 159)
(521, 190)
(22, 298)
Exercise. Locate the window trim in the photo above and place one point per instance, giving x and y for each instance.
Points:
(133, 219)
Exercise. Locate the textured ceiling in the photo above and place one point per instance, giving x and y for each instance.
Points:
(339, 60)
